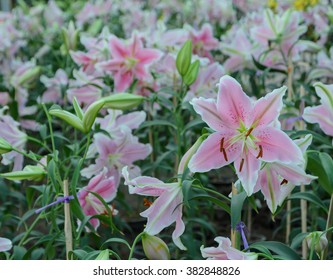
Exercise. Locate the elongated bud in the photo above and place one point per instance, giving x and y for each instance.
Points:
(155, 248)
(30, 172)
(29, 76)
(188, 155)
(192, 73)
(103, 255)
(5, 147)
(318, 240)
(77, 108)
(70, 36)
(122, 101)
(91, 114)
(68, 117)
(184, 57)
(5, 244)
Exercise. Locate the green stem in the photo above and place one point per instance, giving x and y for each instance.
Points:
(29, 230)
(329, 224)
(28, 156)
(136, 240)
(51, 132)
(40, 143)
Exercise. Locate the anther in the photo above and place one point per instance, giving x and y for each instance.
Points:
(248, 132)
(241, 165)
(284, 181)
(221, 145)
(146, 202)
(225, 154)
(260, 154)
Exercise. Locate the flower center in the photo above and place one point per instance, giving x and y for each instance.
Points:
(130, 62)
(248, 140)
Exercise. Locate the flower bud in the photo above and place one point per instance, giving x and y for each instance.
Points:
(91, 114)
(68, 117)
(155, 248)
(5, 244)
(29, 76)
(30, 172)
(5, 147)
(122, 101)
(318, 240)
(70, 37)
(192, 73)
(184, 57)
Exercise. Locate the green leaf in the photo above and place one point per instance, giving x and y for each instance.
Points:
(157, 123)
(116, 240)
(77, 108)
(311, 197)
(214, 200)
(282, 250)
(298, 239)
(321, 165)
(237, 201)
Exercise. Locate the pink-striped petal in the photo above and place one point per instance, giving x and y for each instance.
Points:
(247, 168)
(233, 104)
(277, 146)
(210, 156)
(323, 115)
(267, 109)
(206, 108)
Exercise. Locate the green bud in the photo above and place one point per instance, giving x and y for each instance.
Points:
(70, 36)
(77, 108)
(104, 255)
(29, 76)
(192, 73)
(30, 172)
(184, 57)
(317, 240)
(188, 155)
(155, 248)
(122, 101)
(68, 117)
(91, 114)
(5, 147)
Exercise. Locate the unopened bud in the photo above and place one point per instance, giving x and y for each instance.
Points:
(192, 73)
(317, 240)
(184, 57)
(5, 147)
(155, 248)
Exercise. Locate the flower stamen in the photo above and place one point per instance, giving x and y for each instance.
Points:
(241, 165)
(284, 181)
(261, 153)
(146, 202)
(248, 132)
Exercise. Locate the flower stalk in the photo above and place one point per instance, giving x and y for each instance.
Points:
(68, 223)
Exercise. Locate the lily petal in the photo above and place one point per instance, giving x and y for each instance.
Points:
(209, 155)
(277, 146)
(233, 104)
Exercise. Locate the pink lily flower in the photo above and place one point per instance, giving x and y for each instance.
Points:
(86, 88)
(165, 210)
(9, 130)
(224, 251)
(54, 86)
(104, 186)
(203, 40)
(114, 154)
(277, 180)
(5, 244)
(129, 61)
(244, 133)
(322, 114)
